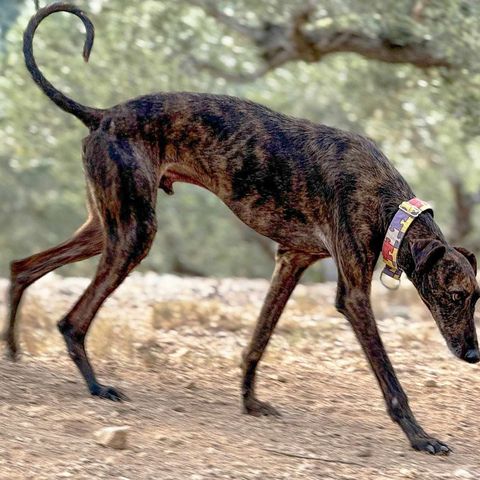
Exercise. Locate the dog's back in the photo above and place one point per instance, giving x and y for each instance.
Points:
(288, 178)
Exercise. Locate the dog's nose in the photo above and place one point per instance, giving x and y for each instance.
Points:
(472, 356)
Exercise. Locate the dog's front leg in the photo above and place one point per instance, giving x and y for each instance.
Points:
(354, 303)
(289, 267)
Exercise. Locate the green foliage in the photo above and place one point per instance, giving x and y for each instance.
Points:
(426, 121)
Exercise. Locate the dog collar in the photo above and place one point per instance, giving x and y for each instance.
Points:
(406, 214)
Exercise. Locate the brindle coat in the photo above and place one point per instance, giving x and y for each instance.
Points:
(317, 191)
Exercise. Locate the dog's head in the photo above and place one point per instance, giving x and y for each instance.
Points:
(445, 279)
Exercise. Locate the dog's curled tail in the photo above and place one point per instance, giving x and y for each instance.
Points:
(91, 117)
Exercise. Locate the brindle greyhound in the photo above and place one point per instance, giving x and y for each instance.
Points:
(317, 191)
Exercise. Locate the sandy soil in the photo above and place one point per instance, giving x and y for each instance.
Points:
(173, 345)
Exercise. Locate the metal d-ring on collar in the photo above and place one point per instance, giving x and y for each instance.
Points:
(406, 214)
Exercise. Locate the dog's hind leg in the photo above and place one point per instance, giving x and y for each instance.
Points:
(86, 242)
(125, 195)
(289, 267)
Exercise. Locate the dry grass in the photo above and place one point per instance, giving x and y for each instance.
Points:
(210, 314)
(39, 334)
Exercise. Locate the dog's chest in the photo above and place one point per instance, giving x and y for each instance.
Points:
(289, 228)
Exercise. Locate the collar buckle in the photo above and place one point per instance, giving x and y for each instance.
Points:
(409, 209)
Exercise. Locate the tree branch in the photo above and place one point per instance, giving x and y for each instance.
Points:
(279, 44)
(384, 49)
(311, 457)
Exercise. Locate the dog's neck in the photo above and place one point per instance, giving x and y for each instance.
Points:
(423, 227)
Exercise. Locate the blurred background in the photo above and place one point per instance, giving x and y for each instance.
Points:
(404, 72)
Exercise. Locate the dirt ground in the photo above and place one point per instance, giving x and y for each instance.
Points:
(173, 346)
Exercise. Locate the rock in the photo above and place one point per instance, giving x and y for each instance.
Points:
(178, 408)
(462, 473)
(406, 473)
(431, 383)
(112, 437)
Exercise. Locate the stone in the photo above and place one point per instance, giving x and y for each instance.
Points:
(462, 473)
(113, 437)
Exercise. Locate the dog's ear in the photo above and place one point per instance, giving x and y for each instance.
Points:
(426, 253)
(469, 256)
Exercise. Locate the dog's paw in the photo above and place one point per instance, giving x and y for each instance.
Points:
(260, 409)
(109, 393)
(430, 445)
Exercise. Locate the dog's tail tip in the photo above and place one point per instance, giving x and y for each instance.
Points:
(86, 53)
(87, 46)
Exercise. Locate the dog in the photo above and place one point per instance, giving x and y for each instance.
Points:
(317, 191)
